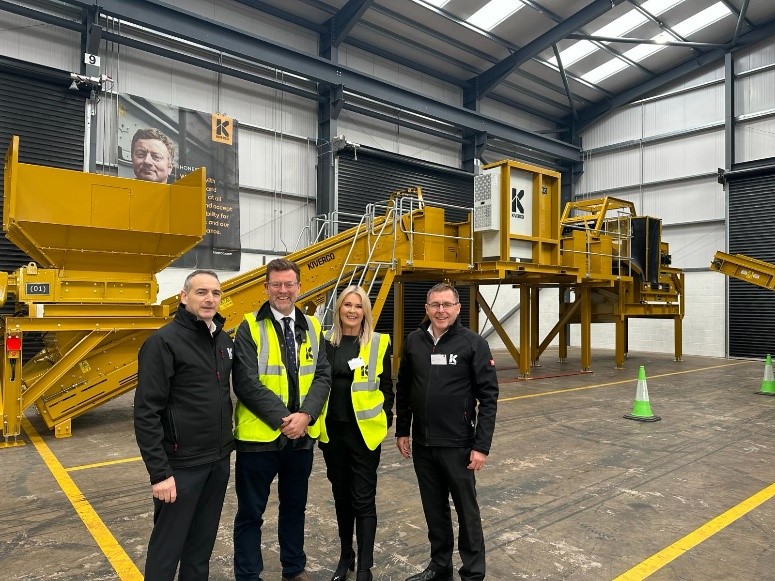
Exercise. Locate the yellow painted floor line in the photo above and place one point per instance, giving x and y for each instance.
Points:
(119, 560)
(100, 464)
(620, 382)
(663, 557)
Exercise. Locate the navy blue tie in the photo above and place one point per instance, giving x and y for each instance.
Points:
(290, 343)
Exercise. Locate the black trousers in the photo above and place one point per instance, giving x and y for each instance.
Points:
(352, 470)
(184, 531)
(253, 476)
(442, 472)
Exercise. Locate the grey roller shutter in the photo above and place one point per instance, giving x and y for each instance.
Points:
(751, 308)
(36, 105)
(369, 176)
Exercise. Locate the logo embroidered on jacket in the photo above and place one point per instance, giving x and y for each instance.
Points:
(229, 351)
(452, 359)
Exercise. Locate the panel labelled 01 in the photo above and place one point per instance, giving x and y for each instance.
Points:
(517, 214)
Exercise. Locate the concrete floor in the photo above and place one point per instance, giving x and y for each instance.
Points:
(571, 490)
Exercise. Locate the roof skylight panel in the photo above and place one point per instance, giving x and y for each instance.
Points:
(619, 27)
(493, 13)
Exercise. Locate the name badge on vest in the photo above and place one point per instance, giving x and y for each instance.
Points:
(438, 359)
(356, 363)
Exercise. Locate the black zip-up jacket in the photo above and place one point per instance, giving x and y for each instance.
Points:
(183, 409)
(262, 401)
(438, 403)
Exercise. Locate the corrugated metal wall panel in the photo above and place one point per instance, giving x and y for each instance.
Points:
(35, 42)
(693, 245)
(507, 114)
(36, 105)
(753, 139)
(390, 137)
(371, 178)
(683, 156)
(682, 111)
(753, 93)
(755, 57)
(751, 308)
(244, 18)
(619, 126)
(614, 169)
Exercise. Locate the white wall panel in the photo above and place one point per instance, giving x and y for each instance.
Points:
(683, 111)
(273, 223)
(269, 162)
(513, 116)
(620, 125)
(610, 170)
(390, 137)
(694, 246)
(36, 42)
(400, 75)
(681, 202)
(246, 19)
(266, 107)
(754, 93)
(684, 156)
(755, 139)
(754, 57)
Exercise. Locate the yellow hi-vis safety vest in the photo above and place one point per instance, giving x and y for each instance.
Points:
(367, 398)
(272, 373)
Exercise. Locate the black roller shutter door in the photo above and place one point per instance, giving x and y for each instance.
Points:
(751, 308)
(36, 105)
(368, 176)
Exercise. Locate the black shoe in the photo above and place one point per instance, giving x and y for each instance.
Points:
(364, 575)
(432, 575)
(346, 561)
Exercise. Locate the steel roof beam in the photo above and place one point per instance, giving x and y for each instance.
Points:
(628, 40)
(590, 114)
(486, 82)
(188, 26)
(341, 23)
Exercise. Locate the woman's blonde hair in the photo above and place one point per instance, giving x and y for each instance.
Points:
(367, 325)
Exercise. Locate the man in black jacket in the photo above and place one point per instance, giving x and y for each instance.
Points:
(445, 371)
(183, 426)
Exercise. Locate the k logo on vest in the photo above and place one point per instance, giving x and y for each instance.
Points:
(452, 359)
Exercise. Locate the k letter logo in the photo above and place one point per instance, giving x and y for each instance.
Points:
(223, 127)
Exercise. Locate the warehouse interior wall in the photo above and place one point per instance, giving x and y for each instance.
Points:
(662, 152)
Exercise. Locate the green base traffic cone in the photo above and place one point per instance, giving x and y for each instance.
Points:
(768, 383)
(641, 409)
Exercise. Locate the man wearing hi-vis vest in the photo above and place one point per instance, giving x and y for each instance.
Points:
(281, 379)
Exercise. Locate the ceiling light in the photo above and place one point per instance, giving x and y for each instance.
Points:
(437, 3)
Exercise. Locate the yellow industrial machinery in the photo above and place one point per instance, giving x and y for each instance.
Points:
(98, 242)
(745, 268)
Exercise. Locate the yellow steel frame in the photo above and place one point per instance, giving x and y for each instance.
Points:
(91, 347)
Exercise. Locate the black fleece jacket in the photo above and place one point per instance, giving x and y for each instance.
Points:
(183, 409)
(438, 403)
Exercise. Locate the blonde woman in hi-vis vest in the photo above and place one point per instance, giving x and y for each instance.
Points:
(359, 413)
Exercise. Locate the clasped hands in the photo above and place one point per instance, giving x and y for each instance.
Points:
(294, 426)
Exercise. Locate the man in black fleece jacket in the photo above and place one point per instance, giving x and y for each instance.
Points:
(445, 371)
(183, 426)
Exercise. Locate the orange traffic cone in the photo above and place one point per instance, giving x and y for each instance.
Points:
(641, 409)
(768, 383)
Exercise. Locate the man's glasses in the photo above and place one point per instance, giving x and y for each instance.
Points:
(285, 285)
(437, 306)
